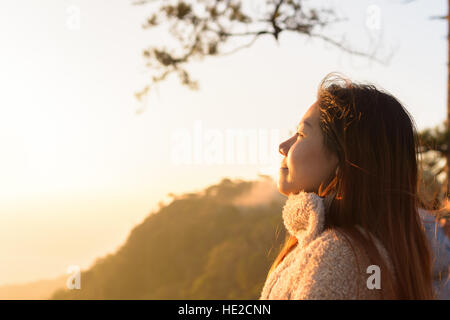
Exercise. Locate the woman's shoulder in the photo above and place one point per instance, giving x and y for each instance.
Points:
(335, 268)
(329, 240)
(328, 269)
(333, 244)
(332, 250)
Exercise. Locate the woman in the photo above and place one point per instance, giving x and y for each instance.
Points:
(350, 174)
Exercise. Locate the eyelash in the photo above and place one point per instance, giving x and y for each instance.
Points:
(299, 134)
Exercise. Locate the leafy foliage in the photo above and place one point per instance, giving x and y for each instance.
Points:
(204, 28)
(433, 150)
(435, 139)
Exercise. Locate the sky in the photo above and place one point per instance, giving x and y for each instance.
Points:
(83, 161)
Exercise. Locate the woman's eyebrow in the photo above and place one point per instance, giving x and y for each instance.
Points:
(305, 122)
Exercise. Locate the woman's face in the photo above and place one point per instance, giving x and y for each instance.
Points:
(307, 163)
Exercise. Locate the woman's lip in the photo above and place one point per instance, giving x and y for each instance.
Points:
(283, 168)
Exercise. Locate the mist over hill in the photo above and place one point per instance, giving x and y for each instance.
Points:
(215, 244)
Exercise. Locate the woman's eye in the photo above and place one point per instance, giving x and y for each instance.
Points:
(299, 134)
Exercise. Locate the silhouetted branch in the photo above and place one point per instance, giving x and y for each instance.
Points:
(202, 27)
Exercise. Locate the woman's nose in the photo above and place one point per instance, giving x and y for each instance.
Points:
(284, 148)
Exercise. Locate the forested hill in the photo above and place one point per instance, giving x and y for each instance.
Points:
(215, 244)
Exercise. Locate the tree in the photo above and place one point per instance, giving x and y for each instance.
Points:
(433, 149)
(204, 28)
(445, 135)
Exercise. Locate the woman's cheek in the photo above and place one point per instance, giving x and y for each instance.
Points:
(295, 167)
(304, 162)
(297, 158)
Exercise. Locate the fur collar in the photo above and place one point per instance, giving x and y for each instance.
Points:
(304, 216)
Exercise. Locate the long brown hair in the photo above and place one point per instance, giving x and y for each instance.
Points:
(376, 185)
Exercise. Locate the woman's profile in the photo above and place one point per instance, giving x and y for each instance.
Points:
(350, 173)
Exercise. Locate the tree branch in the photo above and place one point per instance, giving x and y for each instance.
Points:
(205, 35)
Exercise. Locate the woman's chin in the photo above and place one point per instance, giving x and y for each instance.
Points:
(286, 188)
(282, 188)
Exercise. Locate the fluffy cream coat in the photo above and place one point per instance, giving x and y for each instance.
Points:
(322, 265)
